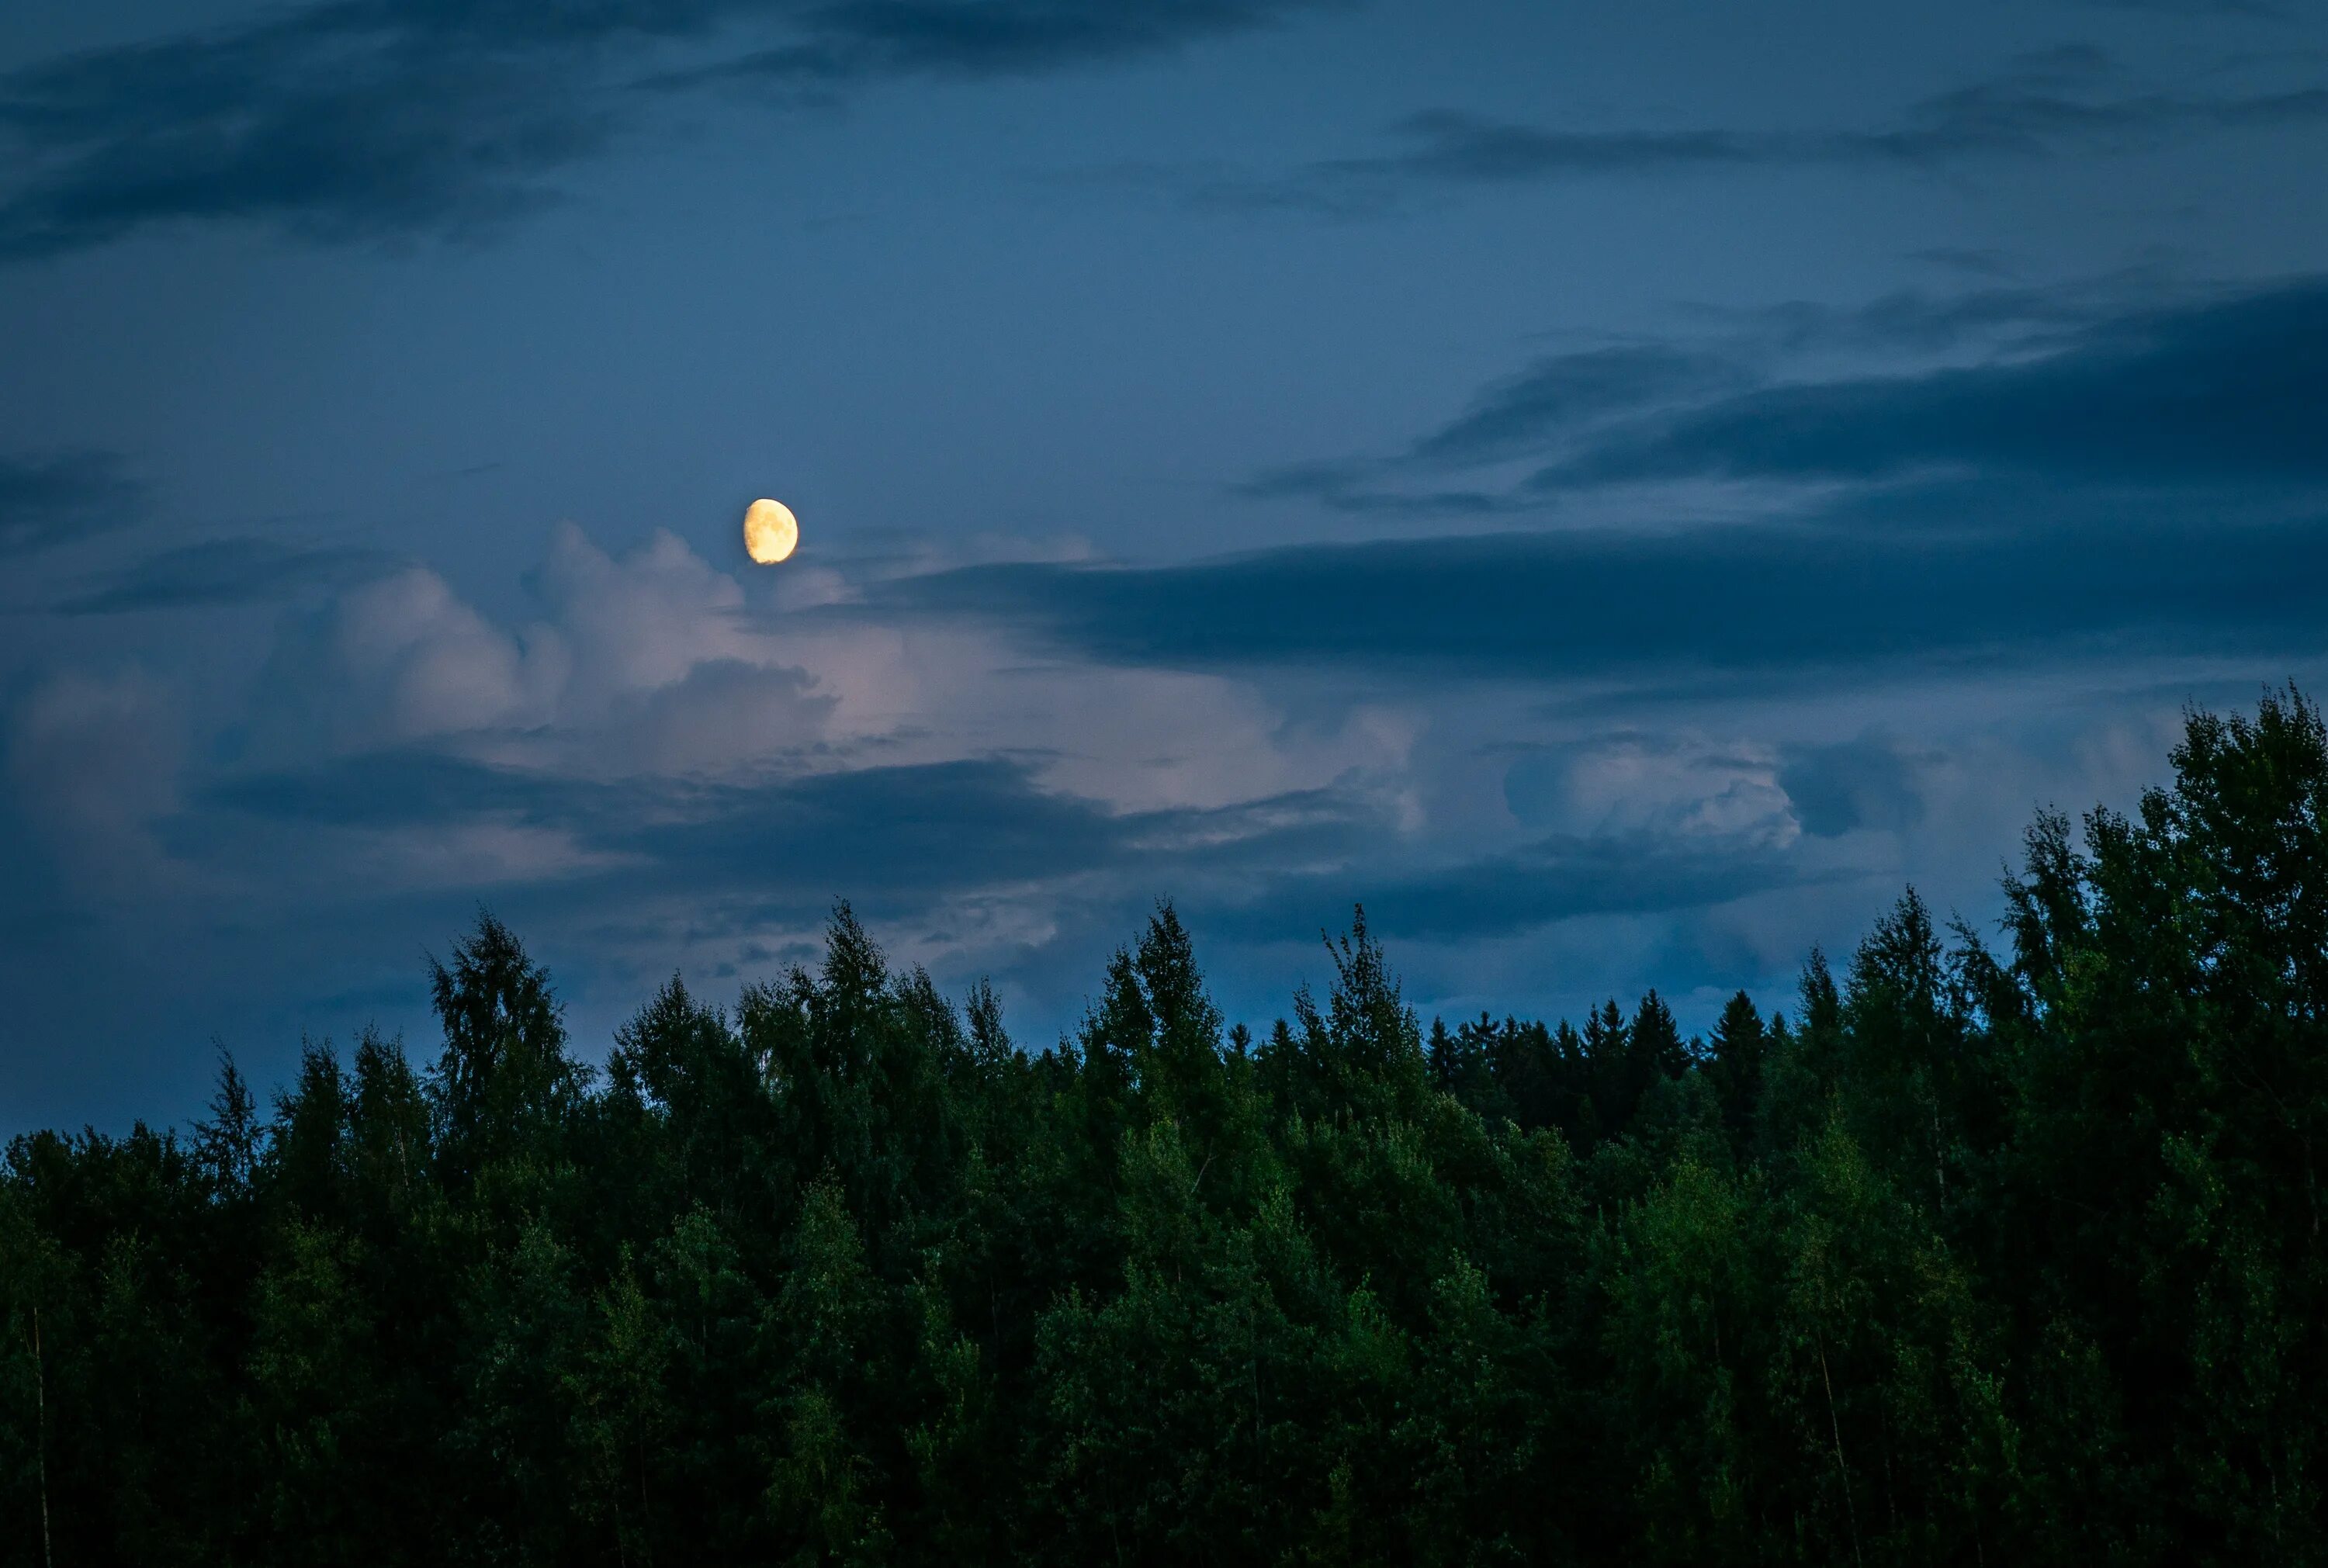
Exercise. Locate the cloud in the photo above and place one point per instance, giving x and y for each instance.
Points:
(2230, 390)
(340, 121)
(720, 711)
(693, 777)
(1641, 823)
(1917, 320)
(651, 717)
(1356, 486)
(748, 852)
(913, 832)
(1559, 394)
(1577, 403)
(643, 662)
(48, 502)
(1671, 786)
(1558, 879)
(2102, 386)
(224, 571)
(1720, 603)
(652, 767)
(652, 662)
(399, 659)
(639, 623)
(95, 760)
(1448, 146)
(1867, 782)
(2047, 104)
(862, 40)
(362, 119)
(358, 120)
(982, 859)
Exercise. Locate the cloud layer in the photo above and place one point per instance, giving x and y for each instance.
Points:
(1581, 733)
(358, 119)
(1670, 527)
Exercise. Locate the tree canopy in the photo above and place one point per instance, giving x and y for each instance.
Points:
(1974, 1253)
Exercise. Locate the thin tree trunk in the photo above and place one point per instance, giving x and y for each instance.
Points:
(1883, 1441)
(1850, 1510)
(40, 1425)
(1939, 1154)
(1253, 1371)
(646, 1545)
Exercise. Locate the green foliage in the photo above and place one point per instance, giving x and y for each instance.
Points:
(1972, 1256)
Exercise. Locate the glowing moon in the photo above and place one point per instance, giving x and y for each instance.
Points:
(771, 531)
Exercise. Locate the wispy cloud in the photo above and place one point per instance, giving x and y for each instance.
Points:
(223, 571)
(1562, 394)
(359, 119)
(2228, 389)
(1538, 884)
(2060, 101)
(49, 501)
(861, 41)
(2100, 385)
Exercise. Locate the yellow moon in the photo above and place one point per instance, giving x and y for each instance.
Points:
(770, 532)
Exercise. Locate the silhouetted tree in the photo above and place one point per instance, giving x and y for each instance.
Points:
(1969, 1258)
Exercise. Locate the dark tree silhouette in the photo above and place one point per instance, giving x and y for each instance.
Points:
(1971, 1256)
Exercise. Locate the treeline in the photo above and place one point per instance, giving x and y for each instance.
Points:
(2002, 1254)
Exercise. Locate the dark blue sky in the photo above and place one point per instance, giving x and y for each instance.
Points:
(1620, 488)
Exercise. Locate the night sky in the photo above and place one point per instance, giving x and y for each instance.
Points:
(1619, 489)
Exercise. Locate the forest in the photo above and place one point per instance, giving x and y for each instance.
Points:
(1993, 1246)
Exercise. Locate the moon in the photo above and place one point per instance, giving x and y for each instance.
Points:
(771, 531)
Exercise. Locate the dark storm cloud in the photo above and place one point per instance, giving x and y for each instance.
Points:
(1730, 601)
(2231, 391)
(1868, 782)
(945, 825)
(2157, 477)
(344, 121)
(49, 501)
(1588, 402)
(2096, 387)
(2051, 103)
(224, 571)
(905, 835)
(407, 789)
(362, 117)
(365, 119)
(903, 840)
(368, 118)
(1562, 877)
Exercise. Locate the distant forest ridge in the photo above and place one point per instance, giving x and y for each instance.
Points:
(2007, 1255)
